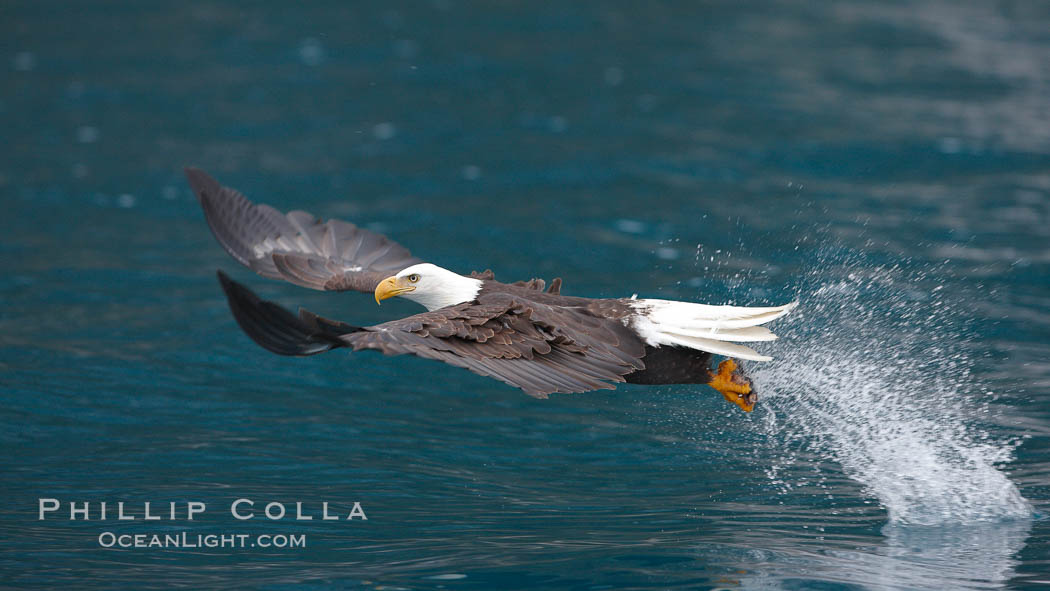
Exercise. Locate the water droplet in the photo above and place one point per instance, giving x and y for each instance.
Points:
(311, 52)
(471, 172)
(630, 226)
(384, 131)
(950, 145)
(667, 254)
(87, 134)
(24, 61)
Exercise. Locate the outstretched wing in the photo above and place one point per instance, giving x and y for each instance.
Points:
(540, 349)
(297, 247)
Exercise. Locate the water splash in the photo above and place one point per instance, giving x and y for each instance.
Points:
(879, 380)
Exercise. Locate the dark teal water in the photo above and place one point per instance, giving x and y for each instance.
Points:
(888, 165)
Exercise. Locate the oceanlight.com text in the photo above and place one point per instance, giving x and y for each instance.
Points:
(188, 540)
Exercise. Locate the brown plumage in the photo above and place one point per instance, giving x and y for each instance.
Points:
(540, 347)
(520, 333)
(297, 247)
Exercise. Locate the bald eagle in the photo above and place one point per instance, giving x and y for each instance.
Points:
(526, 334)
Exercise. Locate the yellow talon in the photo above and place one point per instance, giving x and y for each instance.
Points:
(733, 385)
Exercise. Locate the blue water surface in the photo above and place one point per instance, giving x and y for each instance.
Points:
(885, 164)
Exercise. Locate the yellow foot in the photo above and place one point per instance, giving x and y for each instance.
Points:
(733, 385)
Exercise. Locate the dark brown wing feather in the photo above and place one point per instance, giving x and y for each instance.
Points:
(297, 247)
(276, 329)
(537, 285)
(539, 348)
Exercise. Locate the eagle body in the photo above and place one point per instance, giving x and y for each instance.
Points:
(525, 334)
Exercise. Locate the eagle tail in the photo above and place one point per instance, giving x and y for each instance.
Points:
(276, 329)
(715, 329)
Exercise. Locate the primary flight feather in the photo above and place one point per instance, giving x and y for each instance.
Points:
(520, 333)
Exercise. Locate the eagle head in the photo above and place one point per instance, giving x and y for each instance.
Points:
(429, 285)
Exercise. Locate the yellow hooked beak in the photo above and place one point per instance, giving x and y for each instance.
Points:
(392, 286)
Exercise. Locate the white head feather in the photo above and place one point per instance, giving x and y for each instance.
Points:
(438, 288)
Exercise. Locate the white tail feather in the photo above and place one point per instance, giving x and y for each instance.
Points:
(705, 327)
(713, 346)
(738, 335)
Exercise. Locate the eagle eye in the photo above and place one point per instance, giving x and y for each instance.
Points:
(413, 277)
